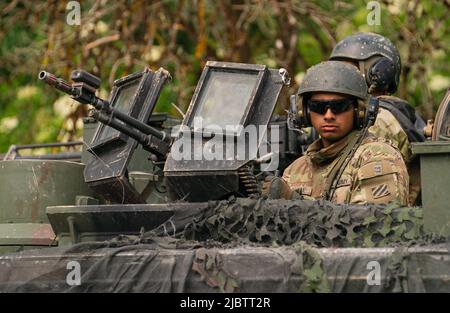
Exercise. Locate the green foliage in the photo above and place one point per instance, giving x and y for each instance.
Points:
(310, 48)
(119, 37)
(28, 118)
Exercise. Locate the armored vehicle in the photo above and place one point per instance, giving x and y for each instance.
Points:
(157, 206)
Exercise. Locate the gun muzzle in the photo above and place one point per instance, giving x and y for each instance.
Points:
(56, 82)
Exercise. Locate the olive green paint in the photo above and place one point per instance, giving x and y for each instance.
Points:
(29, 186)
(435, 182)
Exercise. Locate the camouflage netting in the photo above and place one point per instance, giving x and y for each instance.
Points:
(320, 223)
(307, 265)
(165, 264)
(249, 245)
(302, 225)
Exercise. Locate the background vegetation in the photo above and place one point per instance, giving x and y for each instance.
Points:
(118, 37)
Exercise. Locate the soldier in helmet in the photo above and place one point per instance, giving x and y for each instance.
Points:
(345, 165)
(379, 61)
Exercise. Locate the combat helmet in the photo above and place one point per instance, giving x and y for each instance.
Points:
(378, 59)
(336, 77)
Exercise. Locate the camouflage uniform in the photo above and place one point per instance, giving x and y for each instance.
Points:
(375, 174)
(379, 61)
(387, 126)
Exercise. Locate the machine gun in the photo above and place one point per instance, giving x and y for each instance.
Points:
(83, 91)
(124, 122)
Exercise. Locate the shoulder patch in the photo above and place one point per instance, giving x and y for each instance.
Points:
(377, 168)
(380, 191)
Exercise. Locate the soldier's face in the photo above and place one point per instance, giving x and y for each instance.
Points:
(331, 126)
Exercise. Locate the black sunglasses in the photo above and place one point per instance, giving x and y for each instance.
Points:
(336, 106)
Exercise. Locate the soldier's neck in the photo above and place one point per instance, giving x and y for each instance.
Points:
(326, 143)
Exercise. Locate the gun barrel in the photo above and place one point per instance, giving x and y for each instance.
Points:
(56, 82)
(146, 129)
(158, 147)
(132, 132)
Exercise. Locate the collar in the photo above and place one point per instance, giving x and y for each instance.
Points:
(320, 155)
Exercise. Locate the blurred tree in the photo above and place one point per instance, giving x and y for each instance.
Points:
(118, 37)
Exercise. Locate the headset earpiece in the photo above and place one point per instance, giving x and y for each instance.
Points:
(304, 119)
(360, 114)
(373, 105)
(381, 75)
(296, 112)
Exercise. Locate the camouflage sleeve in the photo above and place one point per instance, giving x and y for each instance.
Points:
(296, 175)
(386, 126)
(381, 176)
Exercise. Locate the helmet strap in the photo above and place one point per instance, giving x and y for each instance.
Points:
(362, 68)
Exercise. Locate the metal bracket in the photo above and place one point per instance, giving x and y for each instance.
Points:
(285, 76)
